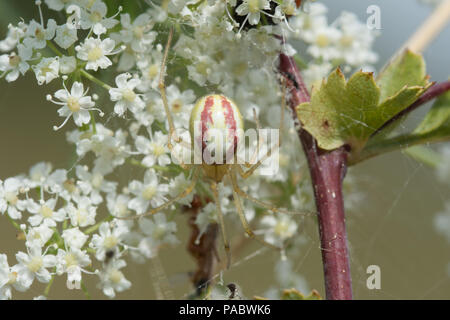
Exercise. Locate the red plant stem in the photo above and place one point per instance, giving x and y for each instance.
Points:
(327, 169)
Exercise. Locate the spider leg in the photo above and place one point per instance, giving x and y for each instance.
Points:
(244, 222)
(252, 168)
(266, 205)
(222, 223)
(162, 89)
(183, 194)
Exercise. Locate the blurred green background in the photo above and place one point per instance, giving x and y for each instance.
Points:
(392, 227)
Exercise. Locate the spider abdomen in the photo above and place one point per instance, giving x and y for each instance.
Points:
(216, 127)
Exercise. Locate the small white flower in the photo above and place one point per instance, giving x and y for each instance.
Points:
(355, 41)
(305, 23)
(137, 34)
(39, 173)
(252, 10)
(92, 183)
(112, 279)
(118, 205)
(280, 227)
(124, 94)
(203, 70)
(15, 34)
(74, 238)
(58, 5)
(150, 67)
(44, 212)
(155, 150)
(153, 110)
(34, 264)
(176, 6)
(65, 36)
(316, 72)
(37, 36)
(67, 64)
(287, 7)
(181, 104)
(14, 64)
(95, 17)
(177, 186)
(11, 277)
(158, 231)
(39, 235)
(148, 192)
(74, 103)
(323, 42)
(72, 261)
(83, 214)
(108, 240)
(207, 215)
(109, 147)
(9, 201)
(46, 70)
(95, 52)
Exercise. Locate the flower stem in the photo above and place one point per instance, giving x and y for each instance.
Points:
(15, 224)
(94, 127)
(54, 48)
(96, 226)
(85, 291)
(94, 79)
(327, 169)
(49, 285)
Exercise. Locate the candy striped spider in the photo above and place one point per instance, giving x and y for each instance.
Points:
(217, 112)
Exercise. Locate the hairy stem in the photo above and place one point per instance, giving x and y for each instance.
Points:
(327, 171)
(395, 143)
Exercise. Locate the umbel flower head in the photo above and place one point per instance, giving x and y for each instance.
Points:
(71, 218)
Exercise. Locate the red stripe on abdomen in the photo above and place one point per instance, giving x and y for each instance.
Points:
(230, 121)
(206, 117)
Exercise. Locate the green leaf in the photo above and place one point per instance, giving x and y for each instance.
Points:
(435, 127)
(406, 70)
(424, 155)
(437, 120)
(348, 112)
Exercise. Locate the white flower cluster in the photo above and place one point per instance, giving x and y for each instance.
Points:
(62, 229)
(347, 42)
(71, 219)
